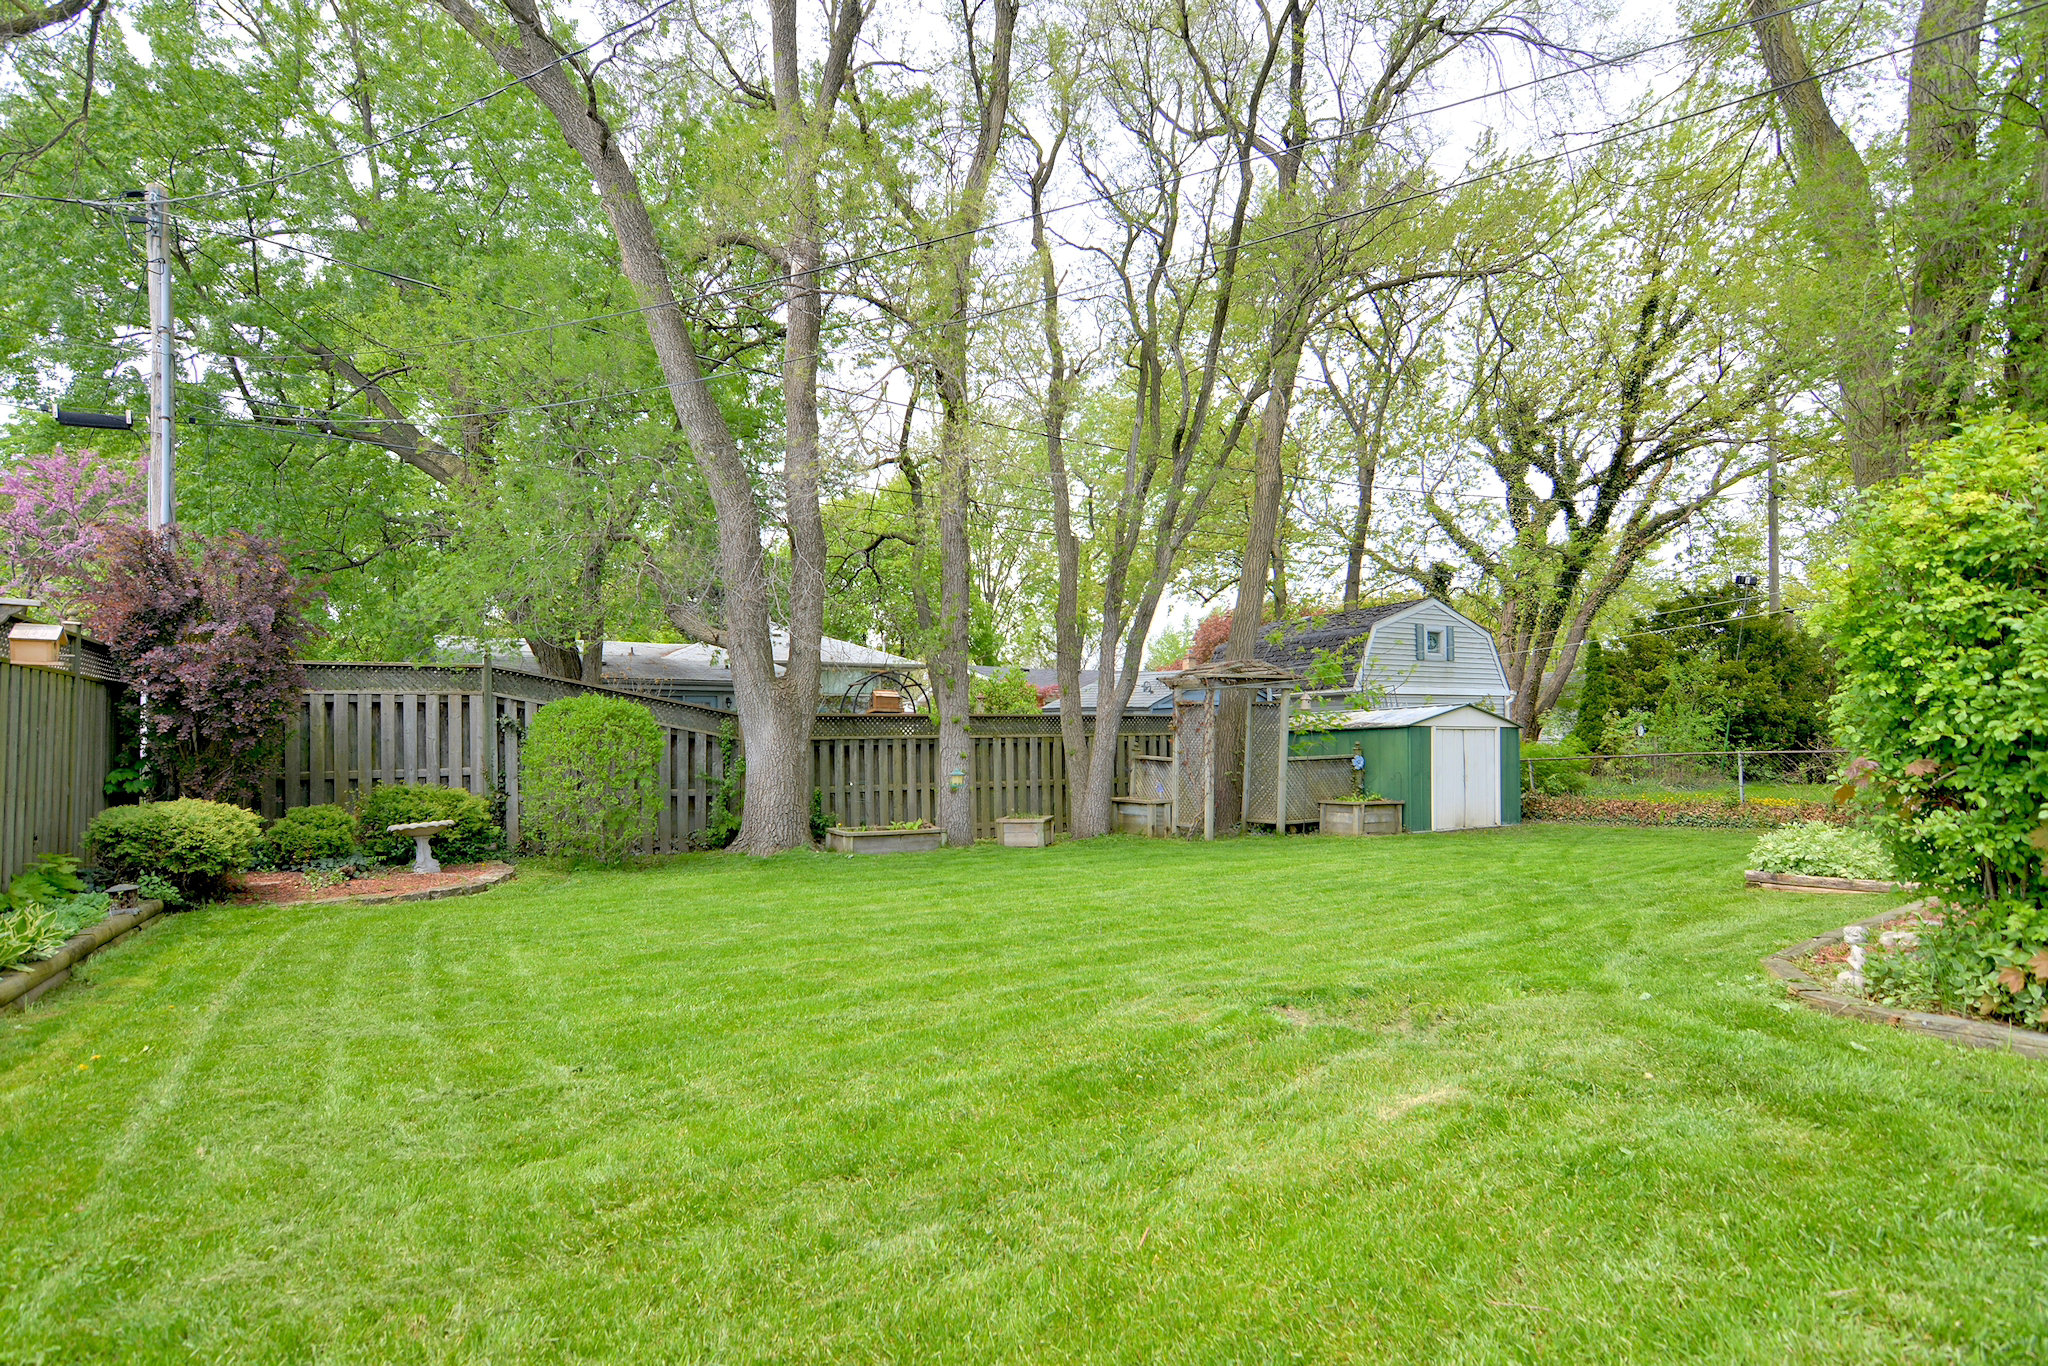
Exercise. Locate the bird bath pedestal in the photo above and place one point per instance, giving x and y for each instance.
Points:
(421, 831)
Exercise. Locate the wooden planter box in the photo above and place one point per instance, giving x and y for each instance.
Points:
(1024, 832)
(840, 840)
(1360, 818)
(1142, 816)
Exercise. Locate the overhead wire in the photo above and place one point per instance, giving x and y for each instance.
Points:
(1479, 178)
(925, 243)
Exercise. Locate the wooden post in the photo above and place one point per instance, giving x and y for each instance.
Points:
(1178, 748)
(490, 755)
(1280, 782)
(73, 827)
(1741, 789)
(1209, 795)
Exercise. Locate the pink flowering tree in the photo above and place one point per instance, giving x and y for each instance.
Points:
(55, 512)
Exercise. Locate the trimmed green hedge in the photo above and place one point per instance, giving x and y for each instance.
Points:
(306, 833)
(590, 777)
(192, 844)
(474, 837)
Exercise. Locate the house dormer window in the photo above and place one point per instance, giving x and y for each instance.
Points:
(1434, 642)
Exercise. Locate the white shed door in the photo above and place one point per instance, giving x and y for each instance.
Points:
(1464, 786)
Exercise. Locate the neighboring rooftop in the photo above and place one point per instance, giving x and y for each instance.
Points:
(1341, 634)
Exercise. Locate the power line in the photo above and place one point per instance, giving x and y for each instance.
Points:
(921, 244)
(415, 130)
(1398, 201)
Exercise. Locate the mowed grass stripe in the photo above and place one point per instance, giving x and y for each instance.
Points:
(1124, 1101)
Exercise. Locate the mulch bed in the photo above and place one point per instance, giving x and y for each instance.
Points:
(291, 889)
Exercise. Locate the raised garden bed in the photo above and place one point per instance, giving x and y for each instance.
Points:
(20, 987)
(1342, 816)
(1801, 882)
(841, 839)
(1024, 832)
(1790, 966)
(1142, 816)
(292, 889)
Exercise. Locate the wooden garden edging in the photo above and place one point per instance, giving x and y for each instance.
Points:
(1809, 990)
(1802, 882)
(17, 989)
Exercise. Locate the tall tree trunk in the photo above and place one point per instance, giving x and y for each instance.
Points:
(774, 713)
(1893, 393)
(953, 676)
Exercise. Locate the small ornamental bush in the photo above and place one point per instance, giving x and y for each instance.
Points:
(191, 844)
(1553, 774)
(473, 838)
(1940, 617)
(1818, 849)
(212, 640)
(306, 834)
(589, 777)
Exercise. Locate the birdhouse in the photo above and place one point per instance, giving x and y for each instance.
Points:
(885, 703)
(44, 646)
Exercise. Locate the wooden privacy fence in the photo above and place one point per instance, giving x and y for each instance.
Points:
(877, 770)
(361, 725)
(56, 746)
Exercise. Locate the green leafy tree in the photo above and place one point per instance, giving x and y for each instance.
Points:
(1749, 680)
(1007, 692)
(1941, 618)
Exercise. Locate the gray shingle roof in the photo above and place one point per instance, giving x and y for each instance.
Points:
(1340, 633)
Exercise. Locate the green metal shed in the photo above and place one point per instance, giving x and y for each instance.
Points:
(1454, 767)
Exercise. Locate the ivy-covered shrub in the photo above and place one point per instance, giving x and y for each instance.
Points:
(589, 777)
(1940, 618)
(191, 844)
(1819, 849)
(472, 839)
(306, 833)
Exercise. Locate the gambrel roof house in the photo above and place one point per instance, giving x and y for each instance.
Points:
(1420, 653)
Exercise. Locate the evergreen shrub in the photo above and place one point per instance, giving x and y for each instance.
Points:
(192, 844)
(590, 777)
(472, 839)
(305, 834)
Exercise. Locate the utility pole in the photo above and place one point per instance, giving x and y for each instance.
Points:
(163, 486)
(1771, 520)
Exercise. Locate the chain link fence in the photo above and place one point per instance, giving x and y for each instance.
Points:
(1801, 775)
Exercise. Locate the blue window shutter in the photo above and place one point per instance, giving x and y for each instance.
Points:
(1418, 640)
(1450, 642)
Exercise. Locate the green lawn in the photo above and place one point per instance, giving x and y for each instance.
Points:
(1515, 1095)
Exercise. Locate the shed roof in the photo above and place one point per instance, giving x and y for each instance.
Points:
(1398, 718)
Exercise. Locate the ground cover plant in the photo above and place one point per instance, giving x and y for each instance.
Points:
(1265, 1101)
(1820, 849)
